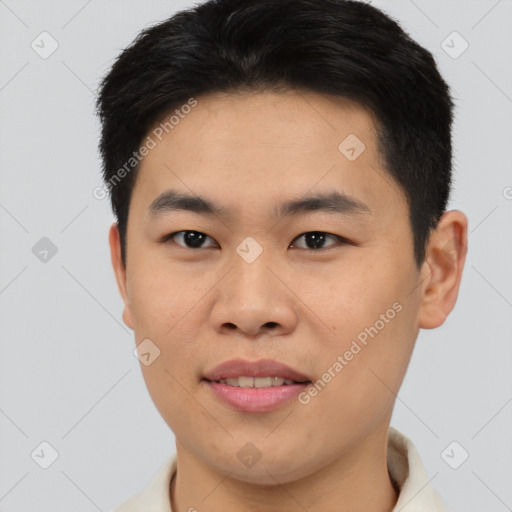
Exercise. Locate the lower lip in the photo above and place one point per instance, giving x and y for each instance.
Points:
(256, 399)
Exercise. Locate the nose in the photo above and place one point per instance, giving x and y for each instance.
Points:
(254, 300)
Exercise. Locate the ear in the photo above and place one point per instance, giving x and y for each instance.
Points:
(114, 239)
(441, 272)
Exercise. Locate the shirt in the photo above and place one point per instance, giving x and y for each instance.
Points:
(404, 465)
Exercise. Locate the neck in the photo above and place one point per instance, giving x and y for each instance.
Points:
(356, 482)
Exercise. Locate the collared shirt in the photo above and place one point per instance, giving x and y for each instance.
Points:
(404, 465)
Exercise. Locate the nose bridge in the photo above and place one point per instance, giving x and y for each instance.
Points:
(251, 297)
(251, 274)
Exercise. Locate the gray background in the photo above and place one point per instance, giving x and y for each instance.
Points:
(67, 372)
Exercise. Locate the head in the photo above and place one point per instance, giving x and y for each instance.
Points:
(280, 172)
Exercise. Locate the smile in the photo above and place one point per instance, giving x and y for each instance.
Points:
(257, 382)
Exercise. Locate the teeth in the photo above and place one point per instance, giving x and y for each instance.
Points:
(256, 382)
(245, 382)
(266, 382)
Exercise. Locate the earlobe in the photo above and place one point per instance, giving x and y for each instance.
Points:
(441, 273)
(114, 239)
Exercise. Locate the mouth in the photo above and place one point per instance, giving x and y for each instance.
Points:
(261, 373)
(258, 386)
(258, 382)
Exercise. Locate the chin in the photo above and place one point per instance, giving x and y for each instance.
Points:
(265, 472)
(264, 476)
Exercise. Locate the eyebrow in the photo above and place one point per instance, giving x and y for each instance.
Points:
(329, 202)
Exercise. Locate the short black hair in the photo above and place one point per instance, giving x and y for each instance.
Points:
(338, 47)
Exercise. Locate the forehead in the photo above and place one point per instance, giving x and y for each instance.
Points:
(258, 118)
(247, 147)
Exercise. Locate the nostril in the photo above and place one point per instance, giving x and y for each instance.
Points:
(271, 324)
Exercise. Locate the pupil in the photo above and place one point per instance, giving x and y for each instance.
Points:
(193, 238)
(316, 238)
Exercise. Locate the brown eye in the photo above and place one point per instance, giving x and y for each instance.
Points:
(315, 240)
(189, 239)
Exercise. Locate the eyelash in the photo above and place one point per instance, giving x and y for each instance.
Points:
(340, 239)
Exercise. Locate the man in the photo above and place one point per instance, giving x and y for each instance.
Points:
(280, 171)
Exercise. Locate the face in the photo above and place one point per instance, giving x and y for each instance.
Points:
(329, 288)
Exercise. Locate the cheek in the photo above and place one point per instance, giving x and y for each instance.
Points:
(370, 320)
(164, 302)
(161, 294)
(363, 380)
(345, 298)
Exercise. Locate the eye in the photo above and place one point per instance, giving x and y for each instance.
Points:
(315, 240)
(189, 239)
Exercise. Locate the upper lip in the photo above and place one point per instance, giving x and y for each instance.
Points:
(261, 368)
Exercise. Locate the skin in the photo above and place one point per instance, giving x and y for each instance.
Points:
(249, 151)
